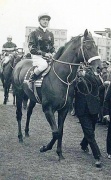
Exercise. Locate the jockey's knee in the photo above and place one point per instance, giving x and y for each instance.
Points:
(43, 66)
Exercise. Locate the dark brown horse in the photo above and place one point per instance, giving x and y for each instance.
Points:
(6, 76)
(56, 92)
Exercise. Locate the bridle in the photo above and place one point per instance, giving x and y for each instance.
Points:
(90, 59)
(12, 66)
(73, 64)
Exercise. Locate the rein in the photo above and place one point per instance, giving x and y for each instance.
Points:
(13, 62)
(85, 82)
(11, 66)
(74, 64)
(67, 63)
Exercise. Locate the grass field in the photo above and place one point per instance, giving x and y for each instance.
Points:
(25, 162)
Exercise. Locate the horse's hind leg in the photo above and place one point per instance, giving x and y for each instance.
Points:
(14, 95)
(51, 119)
(25, 100)
(19, 99)
(29, 112)
(61, 118)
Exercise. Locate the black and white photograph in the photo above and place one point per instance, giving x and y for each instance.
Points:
(55, 90)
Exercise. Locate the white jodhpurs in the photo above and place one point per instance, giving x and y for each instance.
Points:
(40, 63)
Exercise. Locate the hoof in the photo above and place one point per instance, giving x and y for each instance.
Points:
(20, 140)
(98, 164)
(61, 158)
(20, 137)
(44, 149)
(26, 134)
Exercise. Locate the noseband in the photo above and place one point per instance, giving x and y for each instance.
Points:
(90, 59)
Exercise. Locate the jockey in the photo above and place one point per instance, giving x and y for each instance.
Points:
(8, 49)
(9, 46)
(41, 46)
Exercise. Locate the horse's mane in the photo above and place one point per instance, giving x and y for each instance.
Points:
(59, 52)
(76, 41)
(62, 49)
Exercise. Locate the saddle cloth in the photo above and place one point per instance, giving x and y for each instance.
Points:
(39, 80)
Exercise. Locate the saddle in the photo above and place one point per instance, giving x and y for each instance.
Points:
(38, 82)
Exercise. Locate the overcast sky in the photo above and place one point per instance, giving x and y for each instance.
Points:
(73, 15)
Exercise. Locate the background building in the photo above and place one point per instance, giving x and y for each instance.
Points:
(60, 37)
(103, 41)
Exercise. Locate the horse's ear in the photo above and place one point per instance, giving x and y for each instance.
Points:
(86, 33)
(90, 34)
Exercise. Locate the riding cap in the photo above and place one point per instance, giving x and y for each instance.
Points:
(9, 37)
(44, 15)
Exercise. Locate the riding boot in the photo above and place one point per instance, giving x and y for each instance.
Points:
(33, 78)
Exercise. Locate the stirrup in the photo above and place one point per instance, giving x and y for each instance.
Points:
(33, 78)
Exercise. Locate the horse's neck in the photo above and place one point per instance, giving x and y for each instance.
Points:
(59, 53)
(64, 68)
(11, 61)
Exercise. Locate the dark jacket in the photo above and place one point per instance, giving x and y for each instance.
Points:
(41, 42)
(87, 91)
(107, 102)
(9, 45)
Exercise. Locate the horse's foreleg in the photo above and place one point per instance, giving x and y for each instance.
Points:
(14, 99)
(5, 94)
(6, 91)
(29, 112)
(61, 118)
(51, 119)
(19, 115)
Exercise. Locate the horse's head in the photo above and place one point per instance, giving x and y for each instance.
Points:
(14, 59)
(88, 51)
(83, 49)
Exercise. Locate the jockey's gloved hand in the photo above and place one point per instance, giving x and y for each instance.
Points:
(81, 73)
(48, 55)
